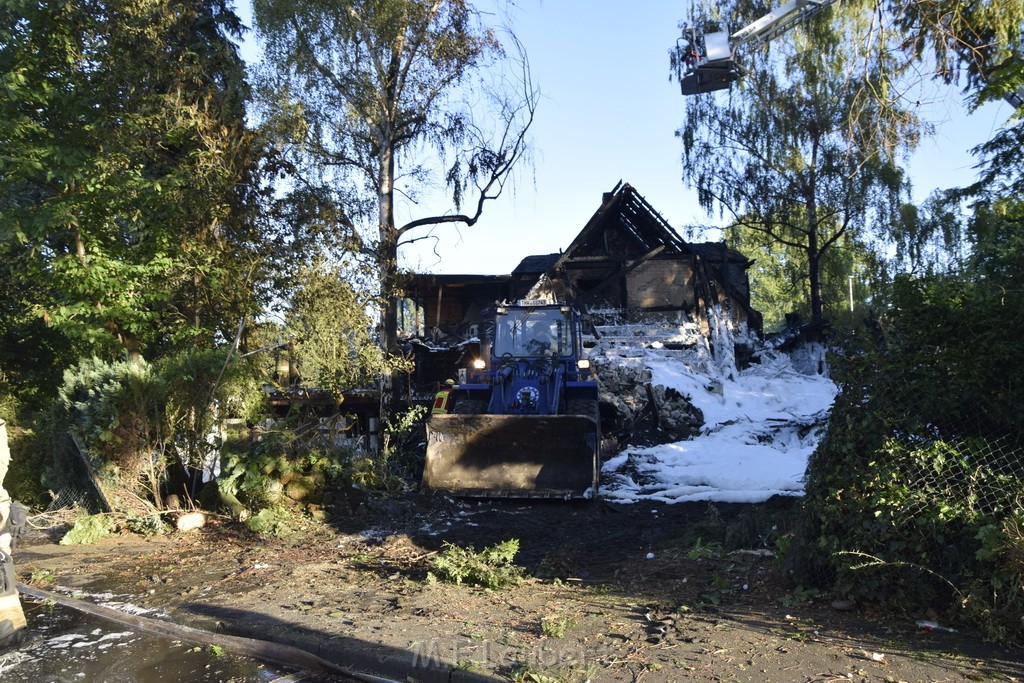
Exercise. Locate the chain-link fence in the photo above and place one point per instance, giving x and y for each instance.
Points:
(915, 495)
(74, 482)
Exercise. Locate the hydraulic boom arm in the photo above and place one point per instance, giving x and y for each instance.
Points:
(704, 62)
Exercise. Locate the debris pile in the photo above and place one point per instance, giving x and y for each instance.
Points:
(641, 413)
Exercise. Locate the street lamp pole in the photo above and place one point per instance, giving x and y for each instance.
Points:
(850, 277)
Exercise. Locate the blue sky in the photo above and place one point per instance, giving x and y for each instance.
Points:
(608, 112)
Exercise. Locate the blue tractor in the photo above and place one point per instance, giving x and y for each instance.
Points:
(523, 420)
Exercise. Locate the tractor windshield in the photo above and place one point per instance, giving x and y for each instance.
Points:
(533, 332)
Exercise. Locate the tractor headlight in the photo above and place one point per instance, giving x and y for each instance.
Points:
(583, 364)
(479, 364)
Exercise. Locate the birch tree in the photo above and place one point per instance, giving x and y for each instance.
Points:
(364, 94)
(794, 151)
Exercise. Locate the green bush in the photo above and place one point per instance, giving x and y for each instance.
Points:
(135, 419)
(204, 386)
(145, 524)
(275, 521)
(143, 424)
(89, 529)
(556, 627)
(288, 463)
(281, 467)
(30, 454)
(117, 410)
(912, 494)
(490, 568)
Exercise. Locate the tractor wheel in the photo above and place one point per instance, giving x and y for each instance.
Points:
(584, 406)
(469, 406)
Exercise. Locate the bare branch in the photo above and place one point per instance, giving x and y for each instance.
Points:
(499, 162)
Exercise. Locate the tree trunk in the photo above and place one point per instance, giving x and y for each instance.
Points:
(388, 268)
(813, 252)
(814, 262)
(388, 251)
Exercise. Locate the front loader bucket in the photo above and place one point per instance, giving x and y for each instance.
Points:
(534, 456)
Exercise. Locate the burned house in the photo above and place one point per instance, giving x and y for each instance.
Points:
(439, 321)
(628, 258)
(627, 261)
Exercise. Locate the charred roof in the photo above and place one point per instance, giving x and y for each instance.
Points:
(536, 264)
(627, 224)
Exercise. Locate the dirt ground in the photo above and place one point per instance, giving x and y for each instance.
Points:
(613, 592)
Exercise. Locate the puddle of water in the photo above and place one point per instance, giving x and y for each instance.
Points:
(66, 646)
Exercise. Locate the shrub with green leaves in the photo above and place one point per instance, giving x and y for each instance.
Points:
(556, 626)
(30, 456)
(134, 418)
(204, 386)
(913, 493)
(399, 458)
(490, 568)
(117, 410)
(145, 524)
(279, 466)
(89, 529)
(275, 521)
(336, 349)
